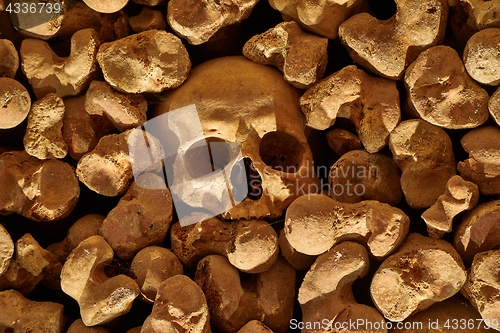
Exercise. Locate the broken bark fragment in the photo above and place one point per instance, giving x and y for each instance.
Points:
(422, 272)
(150, 61)
(100, 298)
(148, 19)
(153, 265)
(44, 138)
(326, 291)
(460, 195)
(358, 175)
(19, 314)
(10, 59)
(140, 219)
(302, 57)
(124, 111)
(482, 287)
(424, 153)
(39, 190)
(441, 92)
(267, 296)
(15, 103)
(483, 165)
(314, 223)
(481, 56)
(479, 230)
(342, 141)
(251, 246)
(387, 47)
(47, 72)
(179, 307)
(198, 21)
(322, 18)
(371, 103)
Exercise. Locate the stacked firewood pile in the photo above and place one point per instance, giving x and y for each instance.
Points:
(245, 166)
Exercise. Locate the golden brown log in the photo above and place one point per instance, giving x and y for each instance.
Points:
(422, 272)
(284, 46)
(314, 223)
(19, 314)
(371, 103)
(267, 296)
(326, 295)
(65, 76)
(358, 175)
(424, 153)
(251, 246)
(387, 47)
(10, 59)
(481, 56)
(15, 103)
(180, 306)
(141, 218)
(39, 190)
(128, 69)
(460, 195)
(483, 165)
(148, 19)
(153, 265)
(44, 138)
(439, 76)
(100, 298)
